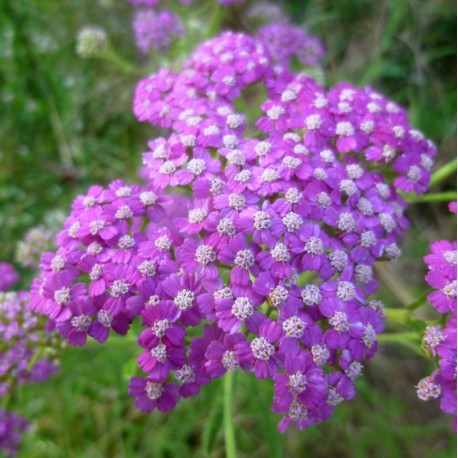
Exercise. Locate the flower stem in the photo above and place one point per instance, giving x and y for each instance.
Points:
(420, 301)
(229, 435)
(123, 65)
(396, 315)
(215, 20)
(446, 196)
(410, 340)
(443, 172)
(398, 337)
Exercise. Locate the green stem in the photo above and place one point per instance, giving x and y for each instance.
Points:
(398, 337)
(215, 20)
(229, 435)
(404, 316)
(443, 172)
(123, 65)
(446, 196)
(410, 340)
(420, 301)
(397, 315)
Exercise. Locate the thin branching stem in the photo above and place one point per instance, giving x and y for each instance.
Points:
(229, 434)
(443, 172)
(446, 196)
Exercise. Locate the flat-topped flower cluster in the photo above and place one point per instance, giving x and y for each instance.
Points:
(8, 276)
(439, 340)
(12, 427)
(251, 244)
(25, 343)
(182, 2)
(157, 29)
(27, 352)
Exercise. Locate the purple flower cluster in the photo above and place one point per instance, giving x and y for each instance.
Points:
(26, 352)
(441, 341)
(286, 41)
(229, 2)
(251, 245)
(144, 2)
(183, 2)
(266, 12)
(26, 356)
(156, 30)
(8, 276)
(12, 426)
(441, 263)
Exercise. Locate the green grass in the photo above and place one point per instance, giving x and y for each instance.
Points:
(85, 411)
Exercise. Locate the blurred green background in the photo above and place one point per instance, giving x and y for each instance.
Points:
(66, 123)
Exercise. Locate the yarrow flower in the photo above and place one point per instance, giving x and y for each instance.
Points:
(144, 2)
(28, 352)
(267, 12)
(440, 341)
(183, 2)
(156, 30)
(285, 41)
(12, 426)
(8, 276)
(249, 246)
(23, 333)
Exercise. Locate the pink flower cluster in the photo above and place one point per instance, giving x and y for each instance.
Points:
(183, 2)
(266, 12)
(441, 340)
(12, 427)
(24, 340)
(8, 276)
(251, 244)
(285, 41)
(156, 30)
(25, 357)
